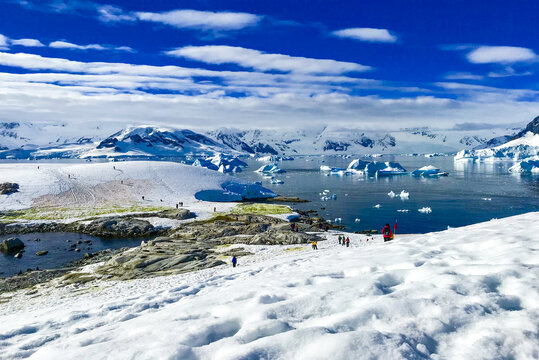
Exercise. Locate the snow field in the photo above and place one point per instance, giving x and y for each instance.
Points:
(111, 184)
(464, 293)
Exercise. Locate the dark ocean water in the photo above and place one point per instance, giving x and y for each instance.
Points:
(59, 247)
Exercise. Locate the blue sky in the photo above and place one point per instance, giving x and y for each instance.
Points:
(371, 64)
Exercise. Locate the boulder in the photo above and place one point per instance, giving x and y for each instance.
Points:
(42, 252)
(11, 244)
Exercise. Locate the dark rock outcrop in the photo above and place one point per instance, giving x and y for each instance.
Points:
(8, 188)
(533, 126)
(120, 226)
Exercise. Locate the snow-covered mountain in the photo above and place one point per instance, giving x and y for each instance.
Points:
(22, 141)
(334, 140)
(151, 141)
(138, 141)
(24, 135)
(523, 145)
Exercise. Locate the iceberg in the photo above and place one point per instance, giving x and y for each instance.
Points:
(235, 191)
(270, 168)
(378, 168)
(221, 163)
(428, 171)
(527, 166)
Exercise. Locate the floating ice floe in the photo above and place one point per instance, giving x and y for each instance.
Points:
(429, 171)
(326, 197)
(433, 155)
(403, 210)
(486, 199)
(528, 166)
(404, 195)
(276, 181)
(338, 220)
(425, 210)
(269, 169)
(357, 220)
(333, 170)
(378, 206)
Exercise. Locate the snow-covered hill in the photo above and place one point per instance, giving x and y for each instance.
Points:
(121, 184)
(467, 293)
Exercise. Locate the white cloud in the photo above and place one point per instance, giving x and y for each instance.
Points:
(367, 34)
(463, 76)
(27, 42)
(61, 90)
(203, 20)
(68, 45)
(109, 13)
(258, 60)
(501, 54)
(3, 42)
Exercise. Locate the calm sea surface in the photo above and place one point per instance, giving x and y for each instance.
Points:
(471, 193)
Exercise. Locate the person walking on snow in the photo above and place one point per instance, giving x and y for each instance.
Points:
(339, 239)
(347, 242)
(315, 245)
(234, 261)
(386, 232)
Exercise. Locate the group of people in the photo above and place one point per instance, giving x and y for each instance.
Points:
(344, 241)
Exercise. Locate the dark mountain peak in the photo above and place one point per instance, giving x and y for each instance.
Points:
(533, 126)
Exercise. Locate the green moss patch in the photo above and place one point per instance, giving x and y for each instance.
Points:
(260, 209)
(58, 213)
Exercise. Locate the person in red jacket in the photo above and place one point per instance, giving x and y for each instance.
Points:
(386, 232)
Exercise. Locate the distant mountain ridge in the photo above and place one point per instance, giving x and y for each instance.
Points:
(150, 141)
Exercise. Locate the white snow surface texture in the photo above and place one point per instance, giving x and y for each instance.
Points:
(118, 183)
(464, 293)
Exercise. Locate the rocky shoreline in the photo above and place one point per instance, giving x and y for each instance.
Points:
(192, 246)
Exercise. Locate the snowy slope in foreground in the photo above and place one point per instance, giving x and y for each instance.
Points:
(117, 184)
(466, 293)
